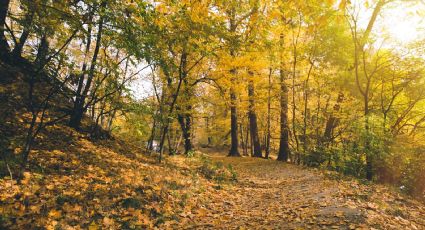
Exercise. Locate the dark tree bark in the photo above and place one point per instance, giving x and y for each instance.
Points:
(243, 144)
(185, 118)
(188, 135)
(284, 151)
(80, 102)
(185, 122)
(268, 135)
(332, 121)
(233, 24)
(4, 46)
(247, 142)
(182, 76)
(233, 122)
(171, 150)
(43, 51)
(28, 21)
(253, 121)
(152, 136)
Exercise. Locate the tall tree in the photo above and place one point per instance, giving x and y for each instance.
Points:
(360, 40)
(253, 118)
(80, 105)
(284, 150)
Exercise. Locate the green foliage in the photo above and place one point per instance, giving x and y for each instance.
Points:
(190, 154)
(217, 172)
(413, 180)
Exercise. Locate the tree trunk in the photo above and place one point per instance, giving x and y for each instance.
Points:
(369, 165)
(284, 151)
(43, 51)
(247, 142)
(253, 121)
(332, 122)
(171, 151)
(268, 135)
(242, 137)
(77, 114)
(186, 126)
(4, 46)
(294, 106)
(233, 118)
(29, 17)
(152, 137)
(188, 147)
(79, 105)
(182, 76)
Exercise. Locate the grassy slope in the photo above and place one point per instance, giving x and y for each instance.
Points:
(75, 181)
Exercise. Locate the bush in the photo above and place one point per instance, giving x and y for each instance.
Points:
(217, 171)
(413, 176)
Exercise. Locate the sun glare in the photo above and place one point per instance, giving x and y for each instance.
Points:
(401, 22)
(405, 24)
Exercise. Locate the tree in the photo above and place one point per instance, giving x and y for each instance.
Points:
(4, 46)
(360, 41)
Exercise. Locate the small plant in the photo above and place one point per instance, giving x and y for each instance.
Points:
(190, 154)
(233, 172)
(217, 171)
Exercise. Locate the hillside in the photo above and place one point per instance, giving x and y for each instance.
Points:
(77, 182)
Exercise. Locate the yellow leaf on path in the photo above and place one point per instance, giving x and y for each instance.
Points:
(50, 187)
(51, 225)
(26, 179)
(35, 209)
(55, 214)
(93, 226)
(108, 221)
(202, 212)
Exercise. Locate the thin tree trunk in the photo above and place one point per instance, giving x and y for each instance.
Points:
(359, 44)
(268, 135)
(369, 164)
(80, 86)
(171, 151)
(152, 137)
(294, 107)
(284, 151)
(79, 105)
(253, 120)
(29, 17)
(233, 118)
(4, 46)
(247, 142)
(242, 136)
(234, 151)
(171, 108)
(185, 124)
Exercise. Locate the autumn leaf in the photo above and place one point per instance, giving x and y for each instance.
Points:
(55, 214)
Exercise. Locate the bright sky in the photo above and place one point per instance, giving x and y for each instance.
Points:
(402, 21)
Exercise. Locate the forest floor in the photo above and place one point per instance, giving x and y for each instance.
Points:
(274, 195)
(78, 183)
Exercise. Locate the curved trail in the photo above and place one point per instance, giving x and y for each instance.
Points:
(275, 195)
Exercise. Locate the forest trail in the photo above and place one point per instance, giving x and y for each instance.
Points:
(274, 195)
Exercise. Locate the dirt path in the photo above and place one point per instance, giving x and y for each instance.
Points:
(274, 195)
